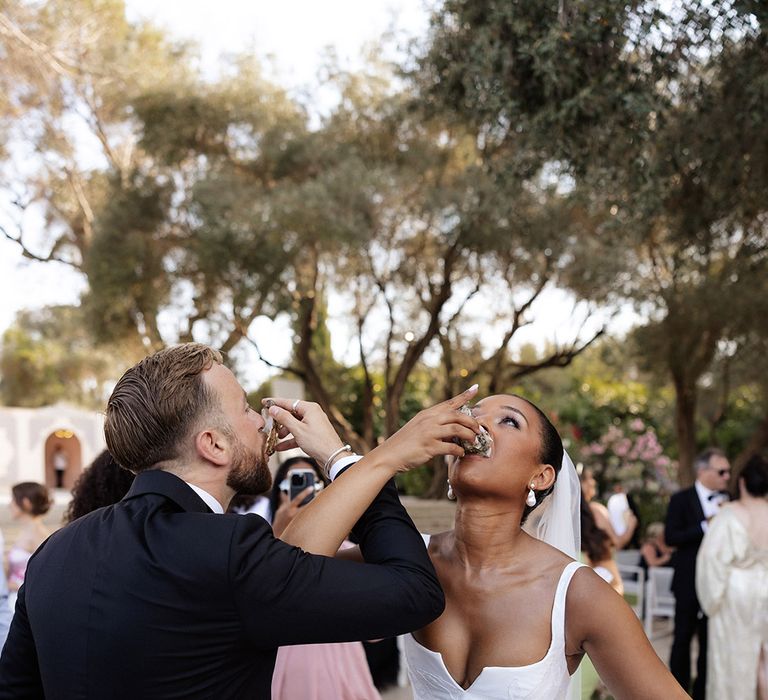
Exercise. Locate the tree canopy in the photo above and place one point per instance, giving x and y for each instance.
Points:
(613, 150)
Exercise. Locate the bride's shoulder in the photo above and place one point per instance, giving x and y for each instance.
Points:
(587, 591)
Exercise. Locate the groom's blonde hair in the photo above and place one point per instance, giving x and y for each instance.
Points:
(156, 404)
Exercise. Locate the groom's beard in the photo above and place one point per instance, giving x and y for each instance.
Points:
(249, 473)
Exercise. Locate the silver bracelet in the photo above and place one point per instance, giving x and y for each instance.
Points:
(329, 461)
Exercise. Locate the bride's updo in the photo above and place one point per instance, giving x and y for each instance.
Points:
(551, 453)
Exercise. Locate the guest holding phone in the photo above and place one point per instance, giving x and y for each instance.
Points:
(336, 671)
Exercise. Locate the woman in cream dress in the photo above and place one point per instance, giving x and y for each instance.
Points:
(732, 585)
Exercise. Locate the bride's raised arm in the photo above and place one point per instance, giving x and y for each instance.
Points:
(600, 623)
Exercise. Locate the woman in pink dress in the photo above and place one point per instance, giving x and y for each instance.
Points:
(30, 501)
(315, 671)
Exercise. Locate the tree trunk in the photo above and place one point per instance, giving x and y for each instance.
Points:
(685, 428)
(757, 443)
(438, 487)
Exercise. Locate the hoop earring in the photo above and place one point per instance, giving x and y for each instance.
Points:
(451, 494)
(530, 499)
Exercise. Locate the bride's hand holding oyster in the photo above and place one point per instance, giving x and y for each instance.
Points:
(442, 429)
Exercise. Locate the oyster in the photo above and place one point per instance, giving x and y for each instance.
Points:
(270, 429)
(482, 443)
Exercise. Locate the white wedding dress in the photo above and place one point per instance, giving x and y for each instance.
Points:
(547, 679)
(555, 521)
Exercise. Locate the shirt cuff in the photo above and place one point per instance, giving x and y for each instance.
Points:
(704, 526)
(343, 463)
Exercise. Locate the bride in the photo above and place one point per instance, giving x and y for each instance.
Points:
(520, 612)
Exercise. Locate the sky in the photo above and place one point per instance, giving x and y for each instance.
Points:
(291, 37)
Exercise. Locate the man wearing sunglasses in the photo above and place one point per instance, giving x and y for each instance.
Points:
(689, 513)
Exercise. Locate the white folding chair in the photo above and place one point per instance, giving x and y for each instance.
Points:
(630, 557)
(659, 599)
(634, 586)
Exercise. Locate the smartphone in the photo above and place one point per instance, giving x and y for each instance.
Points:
(300, 479)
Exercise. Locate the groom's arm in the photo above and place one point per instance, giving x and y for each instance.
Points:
(287, 596)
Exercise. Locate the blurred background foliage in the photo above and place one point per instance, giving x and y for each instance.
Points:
(615, 151)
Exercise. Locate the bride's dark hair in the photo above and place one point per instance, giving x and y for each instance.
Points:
(551, 453)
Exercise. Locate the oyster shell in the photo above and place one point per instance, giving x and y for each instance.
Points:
(482, 443)
(271, 426)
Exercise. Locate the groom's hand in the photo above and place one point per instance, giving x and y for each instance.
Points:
(308, 427)
(430, 433)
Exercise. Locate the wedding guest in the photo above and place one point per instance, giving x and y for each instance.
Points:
(103, 483)
(596, 545)
(5, 608)
(602, 516)
(30, 501)
(318, 671)
(247, 504)
(732, 585)
(620, 505)
(688, 516)
(280, 511)
(654, 550)
(60, 463)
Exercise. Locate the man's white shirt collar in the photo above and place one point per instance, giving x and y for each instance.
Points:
(703, 491)
(709, 506)
(209, 500)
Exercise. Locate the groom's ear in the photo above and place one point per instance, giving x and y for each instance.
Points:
(212, 446)
(545, 478)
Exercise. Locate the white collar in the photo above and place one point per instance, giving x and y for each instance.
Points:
(703, 491)
(209, 500)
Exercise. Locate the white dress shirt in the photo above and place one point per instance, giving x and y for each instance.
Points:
(341, 463)
(710, 506)
(209, 500)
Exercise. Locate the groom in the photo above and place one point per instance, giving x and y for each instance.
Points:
(157, 597)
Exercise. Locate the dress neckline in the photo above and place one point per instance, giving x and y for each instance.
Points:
(564, 579)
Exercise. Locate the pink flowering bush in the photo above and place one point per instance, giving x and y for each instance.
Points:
(630, 453)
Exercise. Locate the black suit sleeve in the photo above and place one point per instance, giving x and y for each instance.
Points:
(682, 528)
(286, 596)
(19, 670)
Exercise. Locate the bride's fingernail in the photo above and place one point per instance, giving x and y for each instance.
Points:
(273, 411)
(473, 387)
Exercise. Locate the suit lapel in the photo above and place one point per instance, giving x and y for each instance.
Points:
(169, 485)
(698, 510)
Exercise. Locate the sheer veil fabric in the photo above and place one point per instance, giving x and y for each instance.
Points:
(557, 521)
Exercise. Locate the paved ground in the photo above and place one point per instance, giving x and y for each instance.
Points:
(429, 516)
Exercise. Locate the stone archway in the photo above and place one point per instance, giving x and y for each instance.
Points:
(62, 448)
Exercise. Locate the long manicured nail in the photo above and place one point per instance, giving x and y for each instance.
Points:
(473, 387)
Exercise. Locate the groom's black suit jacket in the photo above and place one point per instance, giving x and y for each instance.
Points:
(683, 531)
(156, 597)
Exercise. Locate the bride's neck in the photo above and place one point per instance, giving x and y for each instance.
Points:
(487, 534)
